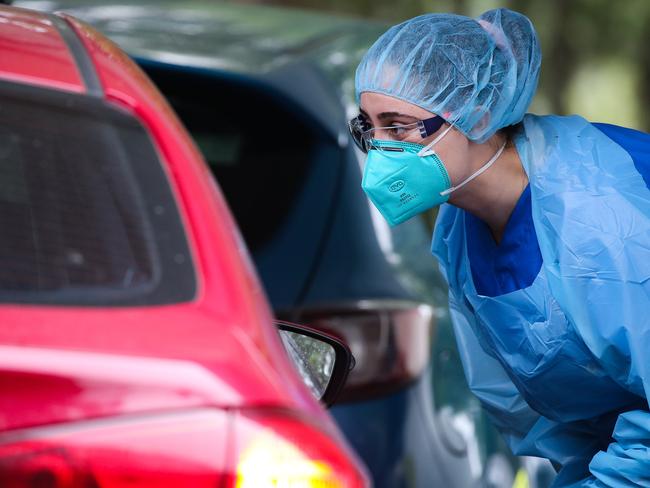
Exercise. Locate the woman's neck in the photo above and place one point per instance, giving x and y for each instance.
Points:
(493, 195)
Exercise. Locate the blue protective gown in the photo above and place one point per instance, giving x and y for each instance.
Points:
(553, 325)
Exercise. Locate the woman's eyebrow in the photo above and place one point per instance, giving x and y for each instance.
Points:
(390, 115)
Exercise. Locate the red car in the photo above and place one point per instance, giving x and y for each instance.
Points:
(136, 345)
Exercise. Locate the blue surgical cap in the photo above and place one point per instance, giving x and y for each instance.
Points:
(479, 73)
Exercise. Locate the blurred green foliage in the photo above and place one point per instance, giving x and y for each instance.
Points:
(596, 60)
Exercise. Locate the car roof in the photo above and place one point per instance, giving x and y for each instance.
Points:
(39, 49)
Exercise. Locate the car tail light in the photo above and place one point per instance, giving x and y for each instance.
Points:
(200, 448)
(180, 449)
(390, 341)
(285, 451)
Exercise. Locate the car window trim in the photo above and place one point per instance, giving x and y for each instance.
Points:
(78, 51)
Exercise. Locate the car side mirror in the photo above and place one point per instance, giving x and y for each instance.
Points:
(322, 360)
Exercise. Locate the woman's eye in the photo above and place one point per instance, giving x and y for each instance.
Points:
(398, 131)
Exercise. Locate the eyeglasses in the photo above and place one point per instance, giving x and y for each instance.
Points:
(362, 132)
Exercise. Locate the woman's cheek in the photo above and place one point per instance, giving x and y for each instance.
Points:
(455, 157)
(453, 166)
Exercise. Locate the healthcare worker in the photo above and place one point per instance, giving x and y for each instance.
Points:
(543, 236)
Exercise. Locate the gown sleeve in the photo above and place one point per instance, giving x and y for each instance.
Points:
(568, 445)
(591, 208)
(624, 338)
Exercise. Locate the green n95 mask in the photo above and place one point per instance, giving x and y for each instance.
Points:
(402, 184)
(403, 179)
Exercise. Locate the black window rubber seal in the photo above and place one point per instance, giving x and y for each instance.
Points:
(80, 55)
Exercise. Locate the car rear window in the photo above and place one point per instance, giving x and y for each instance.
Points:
(87, 216)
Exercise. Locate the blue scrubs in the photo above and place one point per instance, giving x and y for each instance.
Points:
(552, 325)
(511, 265)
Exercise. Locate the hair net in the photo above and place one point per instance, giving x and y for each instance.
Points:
(480, 73)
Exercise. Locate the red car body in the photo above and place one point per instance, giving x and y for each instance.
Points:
(181, 394)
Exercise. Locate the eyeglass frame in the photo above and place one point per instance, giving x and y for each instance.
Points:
(358, 126)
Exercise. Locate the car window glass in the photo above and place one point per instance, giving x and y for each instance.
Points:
(257, 148)
(86, 213)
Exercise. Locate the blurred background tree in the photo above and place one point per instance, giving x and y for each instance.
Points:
(596, 53)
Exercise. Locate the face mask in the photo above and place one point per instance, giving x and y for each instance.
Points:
(403, 179)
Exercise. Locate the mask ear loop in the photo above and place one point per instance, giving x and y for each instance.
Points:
(477, 173)
(426, 150)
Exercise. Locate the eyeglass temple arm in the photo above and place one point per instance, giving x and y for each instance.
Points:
(429, 126)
